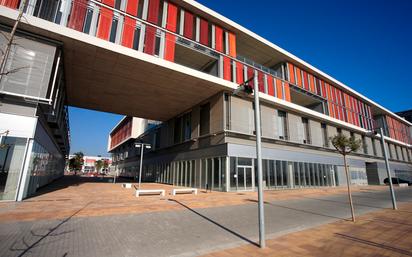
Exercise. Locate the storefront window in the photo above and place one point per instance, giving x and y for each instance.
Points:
(11, 158)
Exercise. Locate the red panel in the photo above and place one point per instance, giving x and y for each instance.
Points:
(10, 3)
(250, 74)
(131, 7)
(128, 32)
(204, 32)
(105, 22)
(291, 73)
(188, 26)
(232, 44)
(279, 89)
(324, 91)
(287, 92)
(261, 84)
(153, 13)
(219, 39)
(239, 73)
(270, 85)
(150, 38)
(171, 26)
(170, 47)
(171, 17)
(227, 68)
(77, 15)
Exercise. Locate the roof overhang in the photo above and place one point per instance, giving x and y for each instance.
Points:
(104, 76)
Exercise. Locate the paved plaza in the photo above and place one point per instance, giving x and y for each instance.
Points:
(91, 217)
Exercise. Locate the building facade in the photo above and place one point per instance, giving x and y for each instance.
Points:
(89, 164)
(34, 132)
(178, 62)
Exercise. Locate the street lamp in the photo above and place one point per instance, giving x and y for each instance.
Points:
(388, 170)
(142, 146)
(247, 89)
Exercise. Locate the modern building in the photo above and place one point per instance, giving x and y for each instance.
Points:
(178, 62)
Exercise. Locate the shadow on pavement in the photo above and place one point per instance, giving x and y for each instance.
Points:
(300, 210)
(217, 224)
(344, 203)
(28, 246)
(371, 243)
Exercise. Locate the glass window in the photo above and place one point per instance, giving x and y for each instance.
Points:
(204, 119)
(282, 125)
(306, 131)
(325, 135)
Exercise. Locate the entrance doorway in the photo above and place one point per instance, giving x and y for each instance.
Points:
(244, 178)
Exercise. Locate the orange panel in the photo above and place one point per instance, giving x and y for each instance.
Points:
(279, 90)
(312, 83)
(287, 92)
(232, 44)
(291, 73)
(299, 77)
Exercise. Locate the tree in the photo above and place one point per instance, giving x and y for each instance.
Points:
(345, 146)
(98, 165)
(6, 52)
(76, 162)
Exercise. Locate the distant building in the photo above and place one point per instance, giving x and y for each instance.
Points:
(90, 161)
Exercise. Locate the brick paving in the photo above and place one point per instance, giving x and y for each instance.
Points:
(97, 197)
(90, 217)
(381, 233)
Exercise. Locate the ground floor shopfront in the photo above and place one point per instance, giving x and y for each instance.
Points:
(233, 168)
(29, 158)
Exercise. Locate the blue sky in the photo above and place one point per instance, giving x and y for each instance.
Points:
(364, 44)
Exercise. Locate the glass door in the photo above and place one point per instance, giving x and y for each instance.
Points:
(244, 178)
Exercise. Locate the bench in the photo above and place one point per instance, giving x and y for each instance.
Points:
(184, 190)
(150, 192)
(127, 185)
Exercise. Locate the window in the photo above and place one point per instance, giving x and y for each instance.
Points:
(136, 38)
(113, 30)
(204, 119)
(325, 135)
(306, 131)
(282, 125)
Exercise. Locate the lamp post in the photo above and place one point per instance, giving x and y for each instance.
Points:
(388, 170)
(247, 89)
(142, 146)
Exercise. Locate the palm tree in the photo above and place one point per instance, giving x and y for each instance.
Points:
(345, 146)
(98, 165)
(76, 162)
